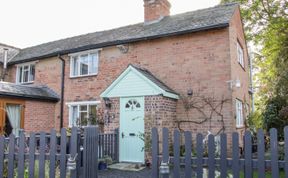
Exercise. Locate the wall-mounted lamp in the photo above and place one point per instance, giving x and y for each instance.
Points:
(190, 92)
(234, 83)
(107, 102)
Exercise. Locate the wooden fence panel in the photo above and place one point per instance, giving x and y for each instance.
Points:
(11, 156)
(235, 155)
(261, 153)
(52, 155)
(31, 155)
(176, 150)
(188, 154)
(211, 156)
(74, 149)
(248, 155)
(199, 154)
(63, 153)
(155, 152)
(274, 152)
(223, 156)
(165, 144)
(42, 154)
(21, 153)
(286, 151)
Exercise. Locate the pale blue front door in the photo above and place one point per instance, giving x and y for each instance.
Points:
(131, 127)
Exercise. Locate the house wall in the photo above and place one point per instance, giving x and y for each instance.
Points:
(39, 116)
(201, 61)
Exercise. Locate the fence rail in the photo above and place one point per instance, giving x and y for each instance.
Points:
(202, 156)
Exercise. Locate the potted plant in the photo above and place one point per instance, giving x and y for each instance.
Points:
(102, 165)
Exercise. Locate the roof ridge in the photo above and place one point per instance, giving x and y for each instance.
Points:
(9, 46)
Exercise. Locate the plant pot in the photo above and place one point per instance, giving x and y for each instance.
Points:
(102, 166)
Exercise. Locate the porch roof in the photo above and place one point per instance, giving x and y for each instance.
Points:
(40, 92)
(136, 81)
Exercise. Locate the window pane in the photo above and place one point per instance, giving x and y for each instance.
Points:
(26, 74)
(75, 66)
(83, 118)
(93, 64)
(83, 108)
(74, 117)
(93, 114)
(84, 65)
(20, 70)
(32, 73)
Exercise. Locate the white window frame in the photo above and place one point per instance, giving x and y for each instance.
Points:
(78, 104)
(239, 113)
(240, 54)
(77, 55)
(29, 74)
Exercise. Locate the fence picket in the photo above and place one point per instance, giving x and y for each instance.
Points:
(199, 154)
(42, 154)
(117, 144)
(11, 156)
(235, 156)
(32, 155)
(261, 153)
(248, 154)
(74, 148)
(274, 152)
(52, 153)
(286, 151)
(63, 146)
(223, 155)
(176, 150)
(155, 152)
(211, 156)
(2, 152)
(188, 154)
(165, 144)
(21, 153)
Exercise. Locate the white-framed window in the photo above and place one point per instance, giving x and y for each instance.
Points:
(84, 63)
(25, 73)
(82, 113)
(239, 113)
(240, 54)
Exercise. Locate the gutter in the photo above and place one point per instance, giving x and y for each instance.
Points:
(119, 42)
(62, 90)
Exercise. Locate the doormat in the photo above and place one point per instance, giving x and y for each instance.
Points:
(127, 166)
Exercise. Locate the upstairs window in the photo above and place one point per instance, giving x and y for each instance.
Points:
(240, 55)
(239, 113)
(84, 64)
(25, 73)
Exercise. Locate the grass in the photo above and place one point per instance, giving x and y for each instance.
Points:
(267, 174)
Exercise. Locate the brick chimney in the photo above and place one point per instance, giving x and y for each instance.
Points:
(155, 10)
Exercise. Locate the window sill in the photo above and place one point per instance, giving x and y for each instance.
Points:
(26, 83)
(82, 76)
(240, 127)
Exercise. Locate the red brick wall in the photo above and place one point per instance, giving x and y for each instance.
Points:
(39, 116)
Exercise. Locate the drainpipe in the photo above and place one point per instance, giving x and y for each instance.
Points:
(62, 90)
(251, 56)
(4, 64)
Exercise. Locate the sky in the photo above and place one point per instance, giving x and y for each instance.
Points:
(27, 23)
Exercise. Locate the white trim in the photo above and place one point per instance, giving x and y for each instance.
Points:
(84, 52)
(18, 66)
(239, 113)
(82, 103)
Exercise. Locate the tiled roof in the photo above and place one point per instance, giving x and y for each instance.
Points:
(28, 92)
(154, 79)
(204, 19)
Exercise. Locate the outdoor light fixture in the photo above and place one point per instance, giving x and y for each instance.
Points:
(164, 168)
(107, 102)
(234, 83)
(71, 163)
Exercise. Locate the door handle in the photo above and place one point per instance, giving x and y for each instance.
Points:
(122, 134)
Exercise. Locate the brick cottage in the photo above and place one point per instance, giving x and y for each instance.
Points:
(187, 71)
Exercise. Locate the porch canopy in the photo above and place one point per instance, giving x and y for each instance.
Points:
(11, 90)
(136, 81)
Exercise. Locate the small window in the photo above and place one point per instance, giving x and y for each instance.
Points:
(84, 64)
(240, 55)
(25, 73)
(239, 113)
(132, 104)
(81, 115)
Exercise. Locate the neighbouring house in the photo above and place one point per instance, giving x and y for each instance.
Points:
(188, 71)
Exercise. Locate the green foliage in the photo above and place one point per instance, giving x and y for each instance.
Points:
(255, 121)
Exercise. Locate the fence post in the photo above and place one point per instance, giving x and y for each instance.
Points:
(117, 144)
(90, 152)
